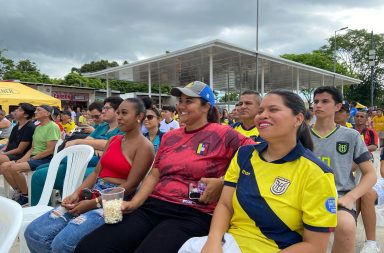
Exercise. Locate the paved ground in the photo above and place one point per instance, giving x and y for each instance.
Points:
(360, 235)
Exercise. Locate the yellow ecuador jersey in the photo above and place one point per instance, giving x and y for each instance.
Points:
(252, 133)
(274, 201)
(69, 127)
(378, 123)
(349, 125)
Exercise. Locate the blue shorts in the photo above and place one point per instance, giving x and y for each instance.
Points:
(379, 189)
(33, 164)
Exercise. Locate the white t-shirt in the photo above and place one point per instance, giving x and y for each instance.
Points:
(166, 127)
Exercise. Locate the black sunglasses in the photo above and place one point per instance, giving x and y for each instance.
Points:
(149, 117)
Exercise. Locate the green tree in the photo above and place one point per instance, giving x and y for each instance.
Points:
(318, 59)
(308, 95)
(231, 96)
(26, 70)
(353, 49)
(76, 79)
(94, 66)
(5, 63)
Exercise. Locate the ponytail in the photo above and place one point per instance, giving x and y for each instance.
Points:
(213, 115)
(304, 136)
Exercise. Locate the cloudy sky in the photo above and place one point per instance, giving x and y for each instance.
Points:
(59, 35)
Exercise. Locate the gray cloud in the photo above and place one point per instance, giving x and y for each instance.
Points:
(58, 35)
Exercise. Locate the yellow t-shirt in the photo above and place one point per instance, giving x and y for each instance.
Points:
(69, 127)
(82, 120)
(378, 123)
(274, 201)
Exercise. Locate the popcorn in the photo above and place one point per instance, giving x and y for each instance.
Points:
(112, 211)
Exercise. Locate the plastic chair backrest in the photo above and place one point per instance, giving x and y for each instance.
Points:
(58, 143)
(78, 157)
(11, 215)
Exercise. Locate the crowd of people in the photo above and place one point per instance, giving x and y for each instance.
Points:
(276, 176)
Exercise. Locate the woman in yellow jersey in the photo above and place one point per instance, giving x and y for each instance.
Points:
(277, 195)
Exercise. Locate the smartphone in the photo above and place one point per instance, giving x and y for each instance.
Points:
(196, 190)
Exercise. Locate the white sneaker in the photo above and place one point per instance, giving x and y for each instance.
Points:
(16, 194)
(370, 247)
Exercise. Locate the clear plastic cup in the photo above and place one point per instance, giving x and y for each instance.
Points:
(112, 199)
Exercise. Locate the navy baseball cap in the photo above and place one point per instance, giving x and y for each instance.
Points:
(196, 89)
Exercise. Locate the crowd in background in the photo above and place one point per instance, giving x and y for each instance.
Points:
(277, 176)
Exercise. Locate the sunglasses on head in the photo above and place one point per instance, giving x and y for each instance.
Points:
(149, 117)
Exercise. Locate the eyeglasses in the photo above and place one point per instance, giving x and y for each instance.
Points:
(150, 117)
(95, 116)
(107, 108)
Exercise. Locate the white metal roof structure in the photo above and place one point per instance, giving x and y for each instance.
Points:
(226, 67)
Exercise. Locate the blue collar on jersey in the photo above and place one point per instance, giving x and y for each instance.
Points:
(294, 154)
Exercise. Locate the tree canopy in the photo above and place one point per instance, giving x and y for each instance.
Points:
(351, 60)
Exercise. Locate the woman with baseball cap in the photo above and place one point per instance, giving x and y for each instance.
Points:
(166, 211)
(43, 144)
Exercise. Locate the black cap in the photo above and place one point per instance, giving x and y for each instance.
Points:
(48, 109)
(345, 106)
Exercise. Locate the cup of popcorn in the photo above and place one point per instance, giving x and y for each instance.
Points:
(112, 198)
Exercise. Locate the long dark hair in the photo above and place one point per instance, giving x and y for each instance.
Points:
(296, 104)
(213, 113)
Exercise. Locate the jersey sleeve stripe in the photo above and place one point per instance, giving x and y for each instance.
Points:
(366, 156)
(230, 184)
(319, 229)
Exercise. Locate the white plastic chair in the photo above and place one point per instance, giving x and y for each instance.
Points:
(78, 157)
(11, 215)
(30, 173)
(7, 191)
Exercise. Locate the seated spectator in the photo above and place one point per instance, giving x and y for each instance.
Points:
(271, 200)
(247, 109)
(83, 119)
(67, 122)
(57, 120)
(20, 139)
(97, 139)
(151, 123)
(5, 126)
(234, 115)
(168, 123)
(342, 116)
(162, 215)
(125, 162)
(224, 117)
(43, 144)
(95, 118)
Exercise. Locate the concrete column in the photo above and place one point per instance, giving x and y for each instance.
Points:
(297, 81)
(210, 69)
(262, 79)
(108, 89)
(149, 81)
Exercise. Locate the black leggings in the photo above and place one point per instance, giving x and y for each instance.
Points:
(157, 226)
